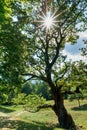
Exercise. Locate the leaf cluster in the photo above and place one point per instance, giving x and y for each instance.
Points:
(30, 102)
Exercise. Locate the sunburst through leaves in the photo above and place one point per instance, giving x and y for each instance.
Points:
(49, 20)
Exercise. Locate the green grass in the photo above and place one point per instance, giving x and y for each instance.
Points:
(14, 118)
(79, 114)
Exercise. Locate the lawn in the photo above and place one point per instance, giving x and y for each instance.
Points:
(15, 118)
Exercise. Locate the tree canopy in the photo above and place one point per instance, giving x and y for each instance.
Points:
(39, 51)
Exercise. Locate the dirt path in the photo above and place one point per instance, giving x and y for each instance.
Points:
(3, 114)
(8, 121)
(16, 116)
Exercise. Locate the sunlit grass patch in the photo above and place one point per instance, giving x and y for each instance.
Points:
(15, 118)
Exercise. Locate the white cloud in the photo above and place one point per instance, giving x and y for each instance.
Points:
(83, 34)
(72, 51)
(76, 57)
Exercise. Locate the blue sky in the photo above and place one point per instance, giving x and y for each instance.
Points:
(72, 51)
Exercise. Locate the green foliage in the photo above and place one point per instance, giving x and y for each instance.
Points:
(11, 54)
(37, 87)
(42, 88)
(33, 102)
(84, 49)
(20, 99)
(20, 36)
(5, 12)
(44, 91)
(3, 98)
(77, 97)
(27, 88)
(30, 103)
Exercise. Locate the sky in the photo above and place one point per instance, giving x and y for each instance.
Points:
(72, 51)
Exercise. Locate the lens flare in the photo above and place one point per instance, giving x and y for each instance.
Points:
(49, 20)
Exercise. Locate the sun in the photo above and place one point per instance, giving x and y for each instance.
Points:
(48, 20)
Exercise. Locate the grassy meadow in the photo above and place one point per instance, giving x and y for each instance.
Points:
(15, 118)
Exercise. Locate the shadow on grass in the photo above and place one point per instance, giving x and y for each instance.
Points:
(5, 110)
(6, 122)
(81, 108)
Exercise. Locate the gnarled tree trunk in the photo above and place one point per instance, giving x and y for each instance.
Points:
(65, 119)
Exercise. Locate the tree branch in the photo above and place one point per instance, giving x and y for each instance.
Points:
(77, 91)
(57, 49)
(45, 106)
(46, 52)
(34, 76)
(60, 77)
(74, 19)
(40, 107)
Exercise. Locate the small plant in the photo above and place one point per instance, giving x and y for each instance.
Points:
(33, 101)
(30, 103)
(20, 99)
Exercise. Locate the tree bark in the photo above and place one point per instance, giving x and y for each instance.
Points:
(65, 120)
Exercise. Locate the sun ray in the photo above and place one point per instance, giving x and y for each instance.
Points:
(59, 14)
(49, 19)
(54, 13)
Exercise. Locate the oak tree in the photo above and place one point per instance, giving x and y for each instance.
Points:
(42, 43)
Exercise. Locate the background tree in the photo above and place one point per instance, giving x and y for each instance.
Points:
(12, 52)
(84, 68)
(43, 90)
(36, 87)
(77, 80)
(27, 88)
(78, 77)
(42, 56)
